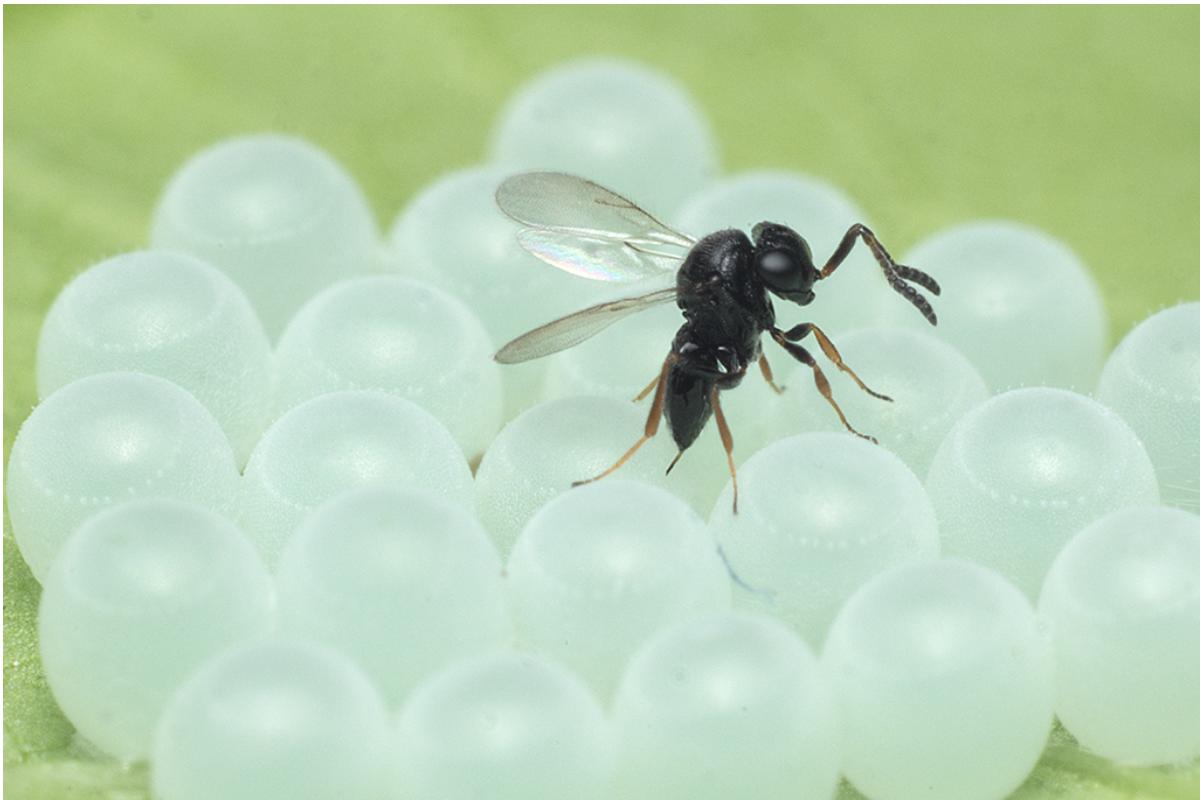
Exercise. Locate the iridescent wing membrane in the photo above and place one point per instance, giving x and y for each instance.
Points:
(589, 231)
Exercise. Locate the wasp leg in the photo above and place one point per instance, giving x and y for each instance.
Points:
(897, 274)
(804, 357)
(726, 440)
(649, 388)
(768, 376)
(831, 352)
(652, 422)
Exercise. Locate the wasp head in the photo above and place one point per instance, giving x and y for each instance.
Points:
(783, 261)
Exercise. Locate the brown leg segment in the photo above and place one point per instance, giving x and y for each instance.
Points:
(831, 352)
(768, 375)
(652, 422)
(649, 388)
(726, 440)
(804, 357)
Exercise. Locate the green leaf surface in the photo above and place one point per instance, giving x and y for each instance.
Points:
(1082, 121)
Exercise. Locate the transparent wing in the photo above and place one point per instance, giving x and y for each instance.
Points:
(587, 230)
(574, 328)
(598, 256)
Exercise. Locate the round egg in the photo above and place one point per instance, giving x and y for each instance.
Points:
(107, 438)
(139, 596)
(506, 727)
(728, 705)
(818, 514)
(1123, 600)
(341, 441)
(1152, 380)
(276, 213)
(1017, 302)
(600, 568)
(170, 315)
(619, 123)
(403, 336)
(274, 718)
(945, 683)
(1021, 473)
(401, 581)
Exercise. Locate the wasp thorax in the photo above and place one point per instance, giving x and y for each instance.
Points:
(784, 262)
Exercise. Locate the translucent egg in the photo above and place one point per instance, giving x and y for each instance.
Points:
(401, 581)
(600, 568)
(931, 385)
(619, 123)
(504, 727)
(944, 679)
(403, 336)
(342, 441)
(277, 718)
(726, 706)
(542, 452)
(855, 295)
(453, 235)
(1152, 380)
(818, 514)
(170, 315)
(1018, 475)
(107, 438)
(140, 596)
(1123, 598)
(277, 214)
(1018, 303)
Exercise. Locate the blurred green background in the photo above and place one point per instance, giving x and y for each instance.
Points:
(1082, 121)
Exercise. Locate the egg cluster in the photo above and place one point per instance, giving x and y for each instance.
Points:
(300, 537)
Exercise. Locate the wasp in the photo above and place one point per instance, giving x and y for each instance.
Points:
(723, 285)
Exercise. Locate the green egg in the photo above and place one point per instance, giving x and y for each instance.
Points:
(138, 598)
(401, 581)
(504, 726)
(405, 337)
(170, 315)
(602, 567)
(341, 441)
(818, 514)
(1019, 303)
(107, 438)
(277, 214)
(275, 718)
(944, 681)
(1123, 601)
(1021, 473)
(726, 705)
(1152, 380)
(619, 123)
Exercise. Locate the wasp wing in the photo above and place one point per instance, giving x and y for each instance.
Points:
(587, 230)
(574, 328)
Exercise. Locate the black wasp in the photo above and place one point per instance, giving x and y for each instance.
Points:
(723, 284)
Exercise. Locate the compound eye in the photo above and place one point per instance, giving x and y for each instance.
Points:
(777, 263)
